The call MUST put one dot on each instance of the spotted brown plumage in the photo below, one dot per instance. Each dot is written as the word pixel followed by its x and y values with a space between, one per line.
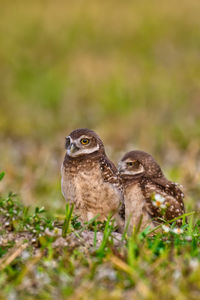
pixel 89 179
pixel 143 181
pixel 111 175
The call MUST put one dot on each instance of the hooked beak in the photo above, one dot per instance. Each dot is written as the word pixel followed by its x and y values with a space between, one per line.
pixel 73 148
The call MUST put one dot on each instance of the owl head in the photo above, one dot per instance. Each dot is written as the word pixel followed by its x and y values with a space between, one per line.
pixel 139 163
pixel 82 142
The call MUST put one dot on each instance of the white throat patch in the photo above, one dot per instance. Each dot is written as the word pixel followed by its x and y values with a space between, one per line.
pixel 126 172
pixel 123 170
pixel 82 151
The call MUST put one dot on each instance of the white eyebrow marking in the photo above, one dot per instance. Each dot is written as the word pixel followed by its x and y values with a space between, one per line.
pixel 85 136
pixel 69 137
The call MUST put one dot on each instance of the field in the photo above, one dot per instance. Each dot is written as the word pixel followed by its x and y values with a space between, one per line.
pixel 130 71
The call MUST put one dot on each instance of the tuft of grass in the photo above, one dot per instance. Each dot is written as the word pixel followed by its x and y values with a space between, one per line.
pixel 68 217
pixel 109 227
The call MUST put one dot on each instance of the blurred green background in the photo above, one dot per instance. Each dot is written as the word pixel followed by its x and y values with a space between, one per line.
pixel 129 70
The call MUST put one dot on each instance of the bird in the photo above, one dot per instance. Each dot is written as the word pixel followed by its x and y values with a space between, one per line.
pixel 149 197
pixel 89 180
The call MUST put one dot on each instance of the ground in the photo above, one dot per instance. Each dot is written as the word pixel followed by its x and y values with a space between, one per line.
pixel 43 257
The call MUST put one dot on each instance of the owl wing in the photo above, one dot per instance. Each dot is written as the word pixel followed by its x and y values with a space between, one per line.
pixel 110 174
pixel 171 188
pixel 170 192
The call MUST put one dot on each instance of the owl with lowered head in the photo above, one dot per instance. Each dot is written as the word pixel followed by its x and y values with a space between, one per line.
pixel 89 179
pixel 147 192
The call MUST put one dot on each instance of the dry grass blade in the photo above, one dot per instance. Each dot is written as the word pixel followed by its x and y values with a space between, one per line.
pixel 116 261
pixel 5 261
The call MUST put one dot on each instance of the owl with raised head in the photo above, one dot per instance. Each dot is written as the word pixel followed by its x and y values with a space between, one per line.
pixel 89 179
pixel 147 192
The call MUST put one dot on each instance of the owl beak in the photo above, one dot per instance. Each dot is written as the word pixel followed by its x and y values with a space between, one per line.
pixel 73 148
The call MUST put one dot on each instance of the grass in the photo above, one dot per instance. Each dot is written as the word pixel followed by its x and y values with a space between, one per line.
pixel 130 71
pixel 41 256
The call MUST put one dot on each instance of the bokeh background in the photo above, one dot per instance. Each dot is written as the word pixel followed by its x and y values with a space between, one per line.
pixel 130 70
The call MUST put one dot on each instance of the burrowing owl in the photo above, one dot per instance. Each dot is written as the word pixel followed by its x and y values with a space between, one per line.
pixel 147 191
pixel 89 179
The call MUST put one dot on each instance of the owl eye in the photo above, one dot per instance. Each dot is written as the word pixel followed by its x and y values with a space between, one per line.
pixel 85 141
pixel 130 164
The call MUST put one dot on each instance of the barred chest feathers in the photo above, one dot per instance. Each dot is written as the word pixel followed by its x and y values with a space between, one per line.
pixel 85 187
pixel 135 207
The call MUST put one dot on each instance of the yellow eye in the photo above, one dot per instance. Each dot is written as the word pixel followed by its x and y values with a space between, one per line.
pixel 85 141
pixel 130 163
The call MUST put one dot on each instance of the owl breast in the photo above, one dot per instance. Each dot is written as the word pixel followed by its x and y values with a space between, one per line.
pixel 88 191
pixel 135 207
